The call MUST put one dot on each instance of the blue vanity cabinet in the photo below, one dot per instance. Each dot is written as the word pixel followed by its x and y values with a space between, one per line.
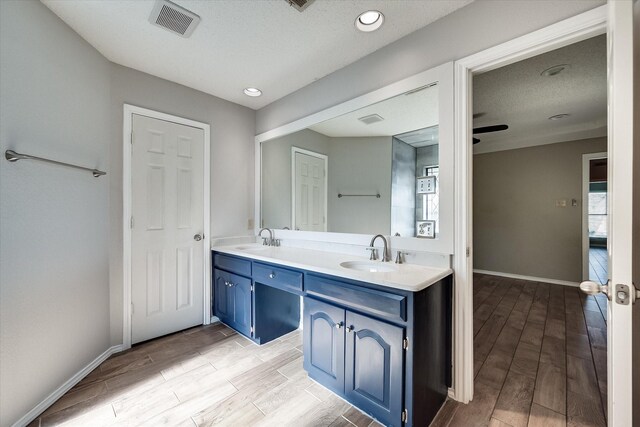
pixel 374 367
pixel 233 300
pixel 323 343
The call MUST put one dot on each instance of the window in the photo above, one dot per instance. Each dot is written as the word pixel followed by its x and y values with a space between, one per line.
pixel 597 210
pixel 431 202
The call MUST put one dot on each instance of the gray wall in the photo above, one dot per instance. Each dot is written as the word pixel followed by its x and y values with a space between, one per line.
pixel 516 226
pixel 232 160
pixel 54 273
pixel 276 177
pixel 359 166
pixel 475 27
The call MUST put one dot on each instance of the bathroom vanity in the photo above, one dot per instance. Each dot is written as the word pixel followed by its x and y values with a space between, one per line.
pixel 376 334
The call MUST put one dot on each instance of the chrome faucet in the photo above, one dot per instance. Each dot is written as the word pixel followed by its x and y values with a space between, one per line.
pixel 266 241
pixel 385 252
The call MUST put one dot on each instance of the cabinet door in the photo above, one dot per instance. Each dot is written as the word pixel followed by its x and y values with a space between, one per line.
pixel 373 367
pixel 324 343
pixel 221 296
pixel 241 289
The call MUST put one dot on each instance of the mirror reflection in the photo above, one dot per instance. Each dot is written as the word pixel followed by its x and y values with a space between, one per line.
pixel 374 170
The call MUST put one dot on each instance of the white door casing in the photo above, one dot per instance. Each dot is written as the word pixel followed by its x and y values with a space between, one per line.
pixel 309 190
pixel 166 269
pixel 620 198
pixel 167 213
pixel 560 34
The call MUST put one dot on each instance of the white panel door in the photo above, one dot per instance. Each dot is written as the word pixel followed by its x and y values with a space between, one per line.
pixel 310 196
pixel 620 328
pixel 167 250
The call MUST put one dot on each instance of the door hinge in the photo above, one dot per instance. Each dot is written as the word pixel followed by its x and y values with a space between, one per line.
pixel 251 330
pixel 405 343
pixel 132 309
pixel 131 223
pixel 405 416
pixel 251 288
pixel 468 252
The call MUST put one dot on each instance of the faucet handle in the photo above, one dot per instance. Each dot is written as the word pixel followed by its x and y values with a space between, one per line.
pixel 399 257
pixel 374 253
pixel 264 241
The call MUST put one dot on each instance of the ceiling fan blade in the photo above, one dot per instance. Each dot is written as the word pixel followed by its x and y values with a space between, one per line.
pixel 487 129
pixel 476 140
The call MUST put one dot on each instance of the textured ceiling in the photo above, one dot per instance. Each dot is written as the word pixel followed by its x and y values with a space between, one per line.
pixel 402 113
pixel 519 96
pixel 239 43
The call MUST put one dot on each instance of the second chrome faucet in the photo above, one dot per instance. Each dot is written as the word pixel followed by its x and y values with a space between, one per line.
pixel 385 249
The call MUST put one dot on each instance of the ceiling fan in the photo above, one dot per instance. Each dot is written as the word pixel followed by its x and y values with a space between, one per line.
pixel 487 129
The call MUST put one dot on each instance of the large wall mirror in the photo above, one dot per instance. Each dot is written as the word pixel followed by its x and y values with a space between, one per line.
pixel 382 163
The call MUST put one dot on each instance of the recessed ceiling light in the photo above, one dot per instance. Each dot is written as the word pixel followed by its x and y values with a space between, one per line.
pixel 252 91
pixel 555 70
pixel 369 21
pixel 559 116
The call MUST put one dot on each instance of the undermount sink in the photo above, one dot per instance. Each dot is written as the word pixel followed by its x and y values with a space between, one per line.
pixel 369 266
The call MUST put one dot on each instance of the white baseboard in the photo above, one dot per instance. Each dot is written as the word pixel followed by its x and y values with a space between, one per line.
pixel 60 391
pixel 531 278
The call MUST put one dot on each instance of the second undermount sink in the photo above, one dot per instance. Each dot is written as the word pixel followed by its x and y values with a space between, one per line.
pixel 369 266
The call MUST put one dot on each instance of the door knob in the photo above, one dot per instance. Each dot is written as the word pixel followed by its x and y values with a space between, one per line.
pixel 197 237
pixel 592 288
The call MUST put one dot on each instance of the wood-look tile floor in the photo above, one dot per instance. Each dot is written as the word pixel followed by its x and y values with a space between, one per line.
pixel 598 261
pixel 540 355
pixel 204 376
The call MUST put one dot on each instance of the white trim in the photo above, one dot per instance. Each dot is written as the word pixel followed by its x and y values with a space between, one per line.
pixel 66 386
pixel 128 112
pixel 442 74
pixel 310 153
pixel 561 34
pixel 585 209
pixel 530 278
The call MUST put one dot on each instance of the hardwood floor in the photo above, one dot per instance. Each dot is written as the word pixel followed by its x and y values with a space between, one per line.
pixel 598 261
pixel 204 376
pixel 540 357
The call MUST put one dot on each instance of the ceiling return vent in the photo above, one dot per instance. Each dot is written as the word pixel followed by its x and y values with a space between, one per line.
pixel 174 18
pixel 300 5
pixel 371 118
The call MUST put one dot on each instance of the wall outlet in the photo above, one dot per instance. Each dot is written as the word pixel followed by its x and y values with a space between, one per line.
pixel 250 224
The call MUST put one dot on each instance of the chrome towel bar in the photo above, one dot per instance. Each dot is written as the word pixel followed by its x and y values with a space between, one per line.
pixel 12 156
pixel 377 195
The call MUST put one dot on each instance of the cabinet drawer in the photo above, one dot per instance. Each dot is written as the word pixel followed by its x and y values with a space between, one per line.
pixel 288 280
pixel 230 263
pixel 380 303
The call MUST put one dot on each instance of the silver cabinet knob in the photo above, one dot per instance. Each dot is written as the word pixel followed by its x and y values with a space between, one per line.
pixel 197 237
pixel 592 288
pixel 272 275
pixel 349 328
pixel 339 325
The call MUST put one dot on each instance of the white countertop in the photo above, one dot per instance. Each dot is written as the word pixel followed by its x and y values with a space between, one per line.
pixel 408 277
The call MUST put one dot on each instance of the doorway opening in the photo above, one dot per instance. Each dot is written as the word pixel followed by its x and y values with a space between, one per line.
pixel 595 218
pixel 539 343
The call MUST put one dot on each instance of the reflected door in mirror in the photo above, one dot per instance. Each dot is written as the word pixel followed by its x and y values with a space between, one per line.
pixel 309 192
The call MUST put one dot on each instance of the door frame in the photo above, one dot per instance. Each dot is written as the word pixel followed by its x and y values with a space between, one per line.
pixel 563 33
pixel 324 157
pixel 586 158
pixel 129 111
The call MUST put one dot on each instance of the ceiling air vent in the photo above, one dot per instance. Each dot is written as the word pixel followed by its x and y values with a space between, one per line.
pixel 174 18
pixel 371 118
pixel 300 5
